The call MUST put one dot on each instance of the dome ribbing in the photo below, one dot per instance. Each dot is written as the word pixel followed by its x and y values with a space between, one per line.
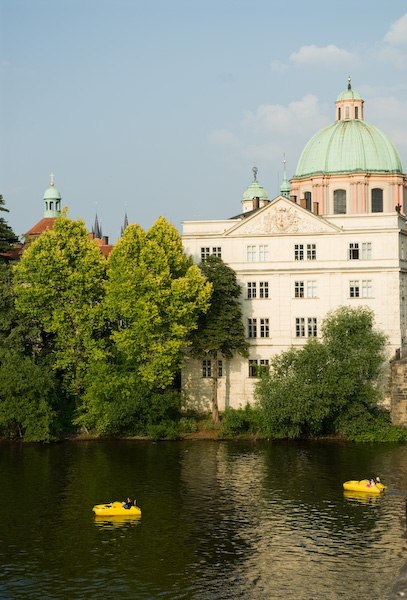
pixel 349 146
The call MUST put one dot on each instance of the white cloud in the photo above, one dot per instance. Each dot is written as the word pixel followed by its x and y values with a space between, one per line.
pixel 304 115
pixel 328 55
pixel 390 115
pixel 278 66
pixel 397 34
pixel 392 50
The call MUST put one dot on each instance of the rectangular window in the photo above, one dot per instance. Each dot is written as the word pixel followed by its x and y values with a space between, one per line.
pixel 312 327
pixel 251 289
pixel 206 368
pixel 253 368
pixel 220 368
pixel 264 289
pixel 299 252
pixel 367 288
pixel 367 250
pixel 205 252
pixel 311 289
pixel 263 253
pixel 299 289
pixel 311 251
pixel 252 328
pixel 353 251
pixel 264 328
pixel 354 291
pixel 300 327
pixel 251 254
pixel 217 252
pixel 264 364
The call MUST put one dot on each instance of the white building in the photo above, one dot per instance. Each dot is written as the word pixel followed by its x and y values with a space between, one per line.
pixel 338 237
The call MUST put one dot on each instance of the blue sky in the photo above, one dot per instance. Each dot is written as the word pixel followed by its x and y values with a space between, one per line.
pixel 163 108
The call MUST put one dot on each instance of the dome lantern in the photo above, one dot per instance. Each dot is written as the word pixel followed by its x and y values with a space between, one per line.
pixel 52 201
pixel 255 196
pixel 349 105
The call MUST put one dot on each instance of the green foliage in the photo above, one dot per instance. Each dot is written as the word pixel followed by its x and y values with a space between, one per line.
pixel 154 297
pixel 58 285
pixel 7 235
pixel 221 328
pixel 240 422
pixel 328 385
pixel 187 425
pixel 28 397
pixel 117 403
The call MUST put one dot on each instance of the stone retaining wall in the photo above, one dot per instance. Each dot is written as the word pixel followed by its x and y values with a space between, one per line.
pixel 398 391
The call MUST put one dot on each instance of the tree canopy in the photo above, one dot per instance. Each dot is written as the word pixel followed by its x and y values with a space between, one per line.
pixel 7 235
pixel 326 385
pixel 154 296
pixel 220 330
pixel 59 284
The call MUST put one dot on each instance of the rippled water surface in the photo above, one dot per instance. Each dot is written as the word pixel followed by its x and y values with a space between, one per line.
pixel 219 520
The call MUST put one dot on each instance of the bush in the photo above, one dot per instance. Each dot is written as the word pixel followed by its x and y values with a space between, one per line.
pixel 240 421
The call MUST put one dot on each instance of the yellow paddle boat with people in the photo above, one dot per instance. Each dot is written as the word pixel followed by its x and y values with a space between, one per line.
pixel 117 509
pixel 368 486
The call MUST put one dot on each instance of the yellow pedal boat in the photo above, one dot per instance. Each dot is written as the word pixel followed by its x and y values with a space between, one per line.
pixel 115 509
pixel 364 486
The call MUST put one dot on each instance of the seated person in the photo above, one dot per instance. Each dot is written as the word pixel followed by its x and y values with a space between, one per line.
pixel 128 504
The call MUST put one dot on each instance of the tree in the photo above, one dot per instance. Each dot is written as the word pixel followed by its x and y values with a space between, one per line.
pixel 29 399
pixel 220 331
pixel 322 387
pixel 155 298
pixel 7 235
pixel 154 295
pixel 58 284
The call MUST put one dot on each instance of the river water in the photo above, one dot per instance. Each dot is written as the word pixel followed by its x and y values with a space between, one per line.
pixel 220 520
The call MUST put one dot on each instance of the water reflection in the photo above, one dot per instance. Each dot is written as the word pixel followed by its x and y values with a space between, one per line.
pixel 115 522
pixel 362 497
pixel 220 520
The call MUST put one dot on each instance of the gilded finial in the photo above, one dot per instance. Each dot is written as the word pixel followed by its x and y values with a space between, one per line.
pixel 349 85
pixel 255 173
pixel 284 160
pixel 52 179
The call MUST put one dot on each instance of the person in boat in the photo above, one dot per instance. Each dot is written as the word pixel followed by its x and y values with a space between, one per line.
pixel 129 503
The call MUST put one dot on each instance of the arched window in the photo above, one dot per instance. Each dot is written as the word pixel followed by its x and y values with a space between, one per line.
pixel 51 206
pixel 347 112
pixel 377 200
pixel 339 202
pixel 308 200
pixel 356 112
pixel 339 113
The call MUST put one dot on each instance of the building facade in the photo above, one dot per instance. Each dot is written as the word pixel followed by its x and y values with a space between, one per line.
pixel 336 236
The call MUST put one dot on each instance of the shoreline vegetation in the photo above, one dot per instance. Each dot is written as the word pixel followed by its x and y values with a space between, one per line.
pixel 97 346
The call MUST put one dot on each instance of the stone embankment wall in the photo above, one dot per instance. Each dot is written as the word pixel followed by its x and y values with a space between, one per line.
pixel 398 391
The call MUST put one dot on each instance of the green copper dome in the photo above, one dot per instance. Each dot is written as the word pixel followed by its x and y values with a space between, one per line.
pixel 52 194
pixel 255 190
pixel 348 146
pixel 349 94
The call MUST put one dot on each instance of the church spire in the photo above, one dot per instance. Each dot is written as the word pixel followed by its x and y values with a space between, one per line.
pixel 96 229
pixel 125 225
pixel 285 186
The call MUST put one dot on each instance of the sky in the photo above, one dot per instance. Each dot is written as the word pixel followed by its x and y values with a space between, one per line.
pixel 164 107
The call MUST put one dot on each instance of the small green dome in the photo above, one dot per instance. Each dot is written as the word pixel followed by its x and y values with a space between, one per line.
pixel 255 190
pixel 52 194
pixel 349 94
pixel 348 147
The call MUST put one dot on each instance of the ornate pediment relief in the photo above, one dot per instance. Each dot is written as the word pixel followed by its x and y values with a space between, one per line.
pixel 282 217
